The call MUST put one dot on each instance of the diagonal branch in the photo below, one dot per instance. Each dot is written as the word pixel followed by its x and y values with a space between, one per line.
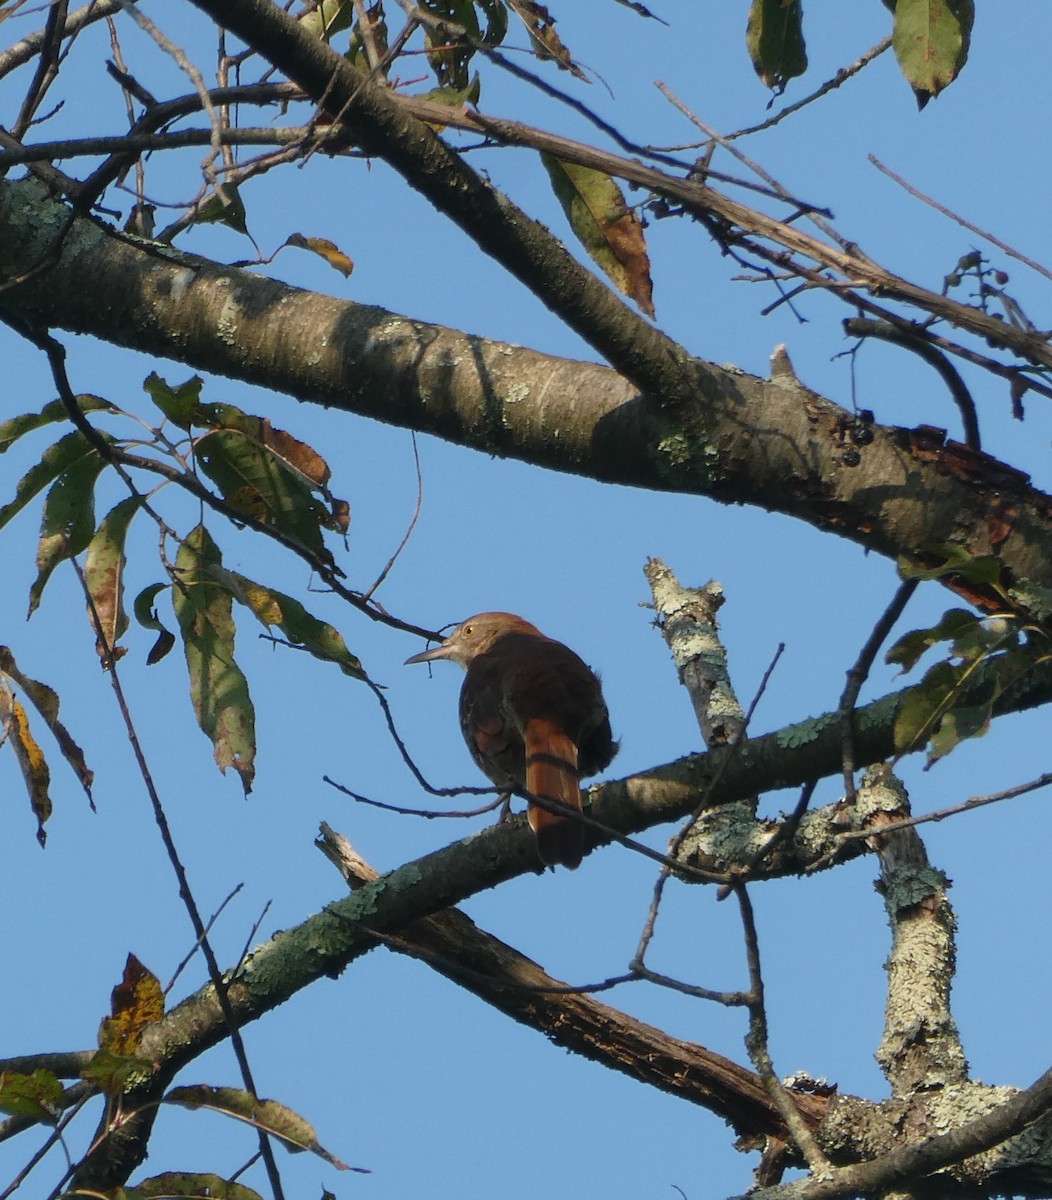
pixel 455 947
pixel 770 443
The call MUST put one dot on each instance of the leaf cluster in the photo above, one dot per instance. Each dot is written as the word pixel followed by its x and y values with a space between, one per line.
pixel 260 474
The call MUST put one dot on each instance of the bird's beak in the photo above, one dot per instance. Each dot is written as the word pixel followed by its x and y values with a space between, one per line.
pixel 439 651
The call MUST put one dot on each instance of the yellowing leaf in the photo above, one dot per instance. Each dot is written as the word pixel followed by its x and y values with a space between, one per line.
pixel 274 608
pixel 104 575
pixel 546 42
pixel 218 688
pixel 275 1118
pixel 610 232
pixel 332 254
pixel 45 700
pixel 14 727
pixel 137 1001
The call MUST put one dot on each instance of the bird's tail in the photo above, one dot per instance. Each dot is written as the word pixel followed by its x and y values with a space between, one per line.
pixel 551 774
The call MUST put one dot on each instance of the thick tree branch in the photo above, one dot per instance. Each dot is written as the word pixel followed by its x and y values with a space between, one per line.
pixel 455 947
pixel 921 1049
pixel 773 444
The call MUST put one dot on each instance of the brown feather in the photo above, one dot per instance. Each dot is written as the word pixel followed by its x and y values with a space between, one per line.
pixel 551 774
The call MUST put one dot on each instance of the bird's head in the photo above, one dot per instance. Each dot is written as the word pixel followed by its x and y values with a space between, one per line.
pixel 475 636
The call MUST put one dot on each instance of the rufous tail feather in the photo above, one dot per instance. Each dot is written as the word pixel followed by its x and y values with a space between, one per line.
pixel 551 773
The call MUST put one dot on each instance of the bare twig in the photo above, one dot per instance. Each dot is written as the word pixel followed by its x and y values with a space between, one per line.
pixel 858 675
pixel 842 76
pixel 947 212
pixel 910 336
pixel 941 814
pixel 759 1051
pixel 412 524
pixel 46 69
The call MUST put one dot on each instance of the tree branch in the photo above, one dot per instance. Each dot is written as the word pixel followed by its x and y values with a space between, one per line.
pixel 455 947
pixel 773 444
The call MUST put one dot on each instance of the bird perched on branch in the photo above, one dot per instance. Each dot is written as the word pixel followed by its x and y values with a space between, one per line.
pixel 533 716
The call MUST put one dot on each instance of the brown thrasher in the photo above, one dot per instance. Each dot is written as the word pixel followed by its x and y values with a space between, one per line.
pixel 533 716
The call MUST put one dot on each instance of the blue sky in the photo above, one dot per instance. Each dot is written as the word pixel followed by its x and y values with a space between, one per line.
pixel 399 1070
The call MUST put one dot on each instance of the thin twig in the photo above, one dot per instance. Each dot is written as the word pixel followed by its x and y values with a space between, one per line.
pixel 858 675
pixel 844 74
pixel 194 75
pixel 947 212
pixel 759 1052
pixel 46 69
pixel 429 814
pixel 776 189
pixel 412 523
pixel 966 806
pixel 911 337
pixel 785 831
pixel 197 944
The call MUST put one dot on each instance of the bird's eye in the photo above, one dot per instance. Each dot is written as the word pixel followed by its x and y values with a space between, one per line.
pixel 468 630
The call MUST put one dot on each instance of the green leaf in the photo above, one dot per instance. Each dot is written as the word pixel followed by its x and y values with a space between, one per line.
pixel 496 21
pixel 38 1096
pixel 447 54
pixel 195 1185
pixel 57 458
pixel 956 726
pixel 327 17
pixel 911 646
pixel 46 701
pixel 301 628
pixel 263 485
pixel 983 569
pixel 181 404
pixel 610 232
pixel 931 40
pixel 115 1073
pixel 218 688
pixel 275 1118
pixel 147 617
pixel 775 41
pixel 11 431
pixel 223 207
pixel 924 706
pixel 69 516
pixel 104 574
